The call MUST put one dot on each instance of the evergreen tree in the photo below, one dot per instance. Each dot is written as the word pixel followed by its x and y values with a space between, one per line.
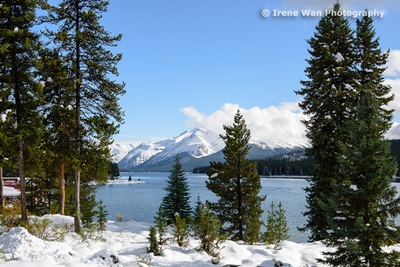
pixel 102 216
pixel 329 99
pixel 269 235
pixel 161 224
pixel 83 43
pixel 20 92
pixel 177 199
pixel 277 230
pixel 365 200
pixel 59 119
pixel 154 246
pixel 180 231
pixel 237 184
pixel 206 228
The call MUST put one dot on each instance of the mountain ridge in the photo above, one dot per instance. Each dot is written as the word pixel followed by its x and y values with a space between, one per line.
pixel 194 148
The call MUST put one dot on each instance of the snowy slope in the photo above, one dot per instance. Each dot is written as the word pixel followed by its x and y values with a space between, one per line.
pixel 196 143
pixel 140 154
pixel 195 148
pixel 125 244
pixel 119 150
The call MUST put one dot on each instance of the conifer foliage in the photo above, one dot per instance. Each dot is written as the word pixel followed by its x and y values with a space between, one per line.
pixel 237 184
pixel 350 197
pixel 83 42
pixel 206 228
pixel 329 99
pixel 277 230
pixel 177 199
pixel 20 92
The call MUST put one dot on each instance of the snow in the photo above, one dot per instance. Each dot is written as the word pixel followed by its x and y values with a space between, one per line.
pixel 119 150
pixel 339 57
pixel 197 143
pixel 10 191
pixel 116 181
pixel 126 242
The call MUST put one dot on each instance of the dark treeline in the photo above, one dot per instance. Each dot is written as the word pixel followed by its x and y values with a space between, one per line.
pixel 291 164
pixel 296 164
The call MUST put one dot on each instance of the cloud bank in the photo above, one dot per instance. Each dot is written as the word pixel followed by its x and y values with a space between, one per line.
pixel 281 125
pixel 272 125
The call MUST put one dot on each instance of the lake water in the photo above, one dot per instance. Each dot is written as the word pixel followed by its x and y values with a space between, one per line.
pixel 140 202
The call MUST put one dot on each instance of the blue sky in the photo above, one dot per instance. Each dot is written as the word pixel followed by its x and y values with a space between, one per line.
pixel 192 63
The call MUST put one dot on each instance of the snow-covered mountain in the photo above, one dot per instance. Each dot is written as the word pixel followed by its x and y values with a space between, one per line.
pixel 195 148
pixel 119 150
pixel 196 144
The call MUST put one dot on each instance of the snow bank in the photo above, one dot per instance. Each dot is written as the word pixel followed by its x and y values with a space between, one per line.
pixel 126 243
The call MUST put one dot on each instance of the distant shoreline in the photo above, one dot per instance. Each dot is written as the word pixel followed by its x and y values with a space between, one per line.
pixel 285 177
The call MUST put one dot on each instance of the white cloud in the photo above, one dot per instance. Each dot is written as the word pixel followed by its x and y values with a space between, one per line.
pixel 394 132
pixel 273 125
pixel 393 70
pixel 393 65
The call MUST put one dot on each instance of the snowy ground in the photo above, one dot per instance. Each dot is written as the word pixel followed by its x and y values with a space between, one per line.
pixel 117 181
pixel 127 241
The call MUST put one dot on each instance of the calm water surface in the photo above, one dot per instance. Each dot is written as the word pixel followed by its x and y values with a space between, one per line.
pixel 140 202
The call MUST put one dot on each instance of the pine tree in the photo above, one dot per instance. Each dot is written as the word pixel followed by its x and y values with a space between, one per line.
pixel 269 235
pixel 102 216
pixel 59 118
pixel 83 43
pixel 177 199
pixel 20 92
pixel 281 224
pixel 329 99
pixel 277 230
pixel 237 184
pixel 161 224
pixel 206 228
pixel 154 246
pixel 180 231
pixel 365 200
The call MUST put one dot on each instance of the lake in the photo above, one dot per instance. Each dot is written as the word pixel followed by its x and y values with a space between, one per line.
pixel 140 201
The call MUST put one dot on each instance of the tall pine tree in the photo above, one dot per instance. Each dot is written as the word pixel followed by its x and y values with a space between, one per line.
pixel 237 184
pixel 365 200
pixel 83 43
pixel 59 118
pixel 177 199
pixel 20 92
pixel 329 99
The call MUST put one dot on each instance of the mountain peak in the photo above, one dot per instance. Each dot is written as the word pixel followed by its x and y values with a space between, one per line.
pixel 196 148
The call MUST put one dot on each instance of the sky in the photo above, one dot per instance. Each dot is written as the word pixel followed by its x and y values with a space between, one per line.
pixel 194 63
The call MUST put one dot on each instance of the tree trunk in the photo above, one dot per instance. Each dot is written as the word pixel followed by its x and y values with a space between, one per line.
pixel 240 211
pixel 62 188
pixel 22 182
pixel 2 198
pixel 77 219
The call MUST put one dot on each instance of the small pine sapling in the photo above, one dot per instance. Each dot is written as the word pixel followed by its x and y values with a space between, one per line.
pixel 281 225
pixel 206 228
pixel 269 235
pixel 180 231
pixel 153 247
pixel 102 216
pixel 161 224
pixel 277 229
